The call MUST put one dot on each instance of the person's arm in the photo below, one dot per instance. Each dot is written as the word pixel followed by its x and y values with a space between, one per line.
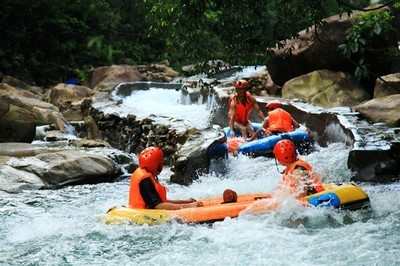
pixel 295 123
pixel 265 127
pixel 153 200
pixel 231 114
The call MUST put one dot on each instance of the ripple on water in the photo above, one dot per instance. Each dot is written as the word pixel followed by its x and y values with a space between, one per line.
pixel 63 227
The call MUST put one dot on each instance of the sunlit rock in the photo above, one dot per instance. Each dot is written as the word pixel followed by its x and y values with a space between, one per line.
pixel 106 77
pixel 325 88
pixel 68 98
pixel 383 109
pixel 387 85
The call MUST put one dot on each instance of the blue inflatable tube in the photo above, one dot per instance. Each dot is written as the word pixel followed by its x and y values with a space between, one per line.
pixel 266 145
pixel 261 146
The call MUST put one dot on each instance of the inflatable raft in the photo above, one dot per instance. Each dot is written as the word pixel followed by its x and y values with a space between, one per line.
pixel 262 146
pixel 346 196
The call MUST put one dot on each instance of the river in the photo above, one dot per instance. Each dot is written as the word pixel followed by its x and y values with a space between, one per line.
pixel 65 227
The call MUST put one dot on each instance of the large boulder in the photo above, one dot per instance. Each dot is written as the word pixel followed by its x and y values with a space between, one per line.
pixel 387 85
pixel 62 93
pixel 192 157
pixel 325 88
pixel 69 99
pixel 106 77
pixel 13 180
pixel 68 167
pixel 318 49
pixel 384 109
pixel 16 149
pixel 20 115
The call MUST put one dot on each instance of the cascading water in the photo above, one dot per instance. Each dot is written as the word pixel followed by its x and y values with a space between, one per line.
pixel 164 103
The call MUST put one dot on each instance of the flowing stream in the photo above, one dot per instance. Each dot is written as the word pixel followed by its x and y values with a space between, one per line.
pixel 65 227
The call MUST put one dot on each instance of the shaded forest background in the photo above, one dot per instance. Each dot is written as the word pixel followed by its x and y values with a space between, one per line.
pixel 47 41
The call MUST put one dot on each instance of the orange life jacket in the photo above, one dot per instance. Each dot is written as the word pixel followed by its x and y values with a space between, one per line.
pixel 289 179
pixel 279 121
pixel 242 110
pixel 135 198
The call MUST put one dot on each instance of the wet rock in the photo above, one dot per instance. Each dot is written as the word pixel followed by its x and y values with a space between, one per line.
pixel 57 135
pixel 313 50
pixel 13 180
pixel 219 113
pixel 380 164
pixel 192 159
pixel 105 78
pixel 89 143
pixel 68 167
pixel 68 98
pixel 384 109
pixel 325 88
pixel 195 91
pixel 126 162
pixel 387 85
pixel 21 114
pixel 24 149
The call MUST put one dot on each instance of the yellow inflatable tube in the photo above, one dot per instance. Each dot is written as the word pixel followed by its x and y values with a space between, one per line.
pixel 346 196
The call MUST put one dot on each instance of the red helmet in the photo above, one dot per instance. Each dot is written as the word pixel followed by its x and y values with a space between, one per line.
pixel 273 105
pixel 285 152
pixel 241 84
pixel 152 159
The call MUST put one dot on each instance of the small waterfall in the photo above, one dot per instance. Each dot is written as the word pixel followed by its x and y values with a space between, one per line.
pixel 69 129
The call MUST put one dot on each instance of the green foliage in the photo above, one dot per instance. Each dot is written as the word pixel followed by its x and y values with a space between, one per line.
pixel 368 28
pixel 48 41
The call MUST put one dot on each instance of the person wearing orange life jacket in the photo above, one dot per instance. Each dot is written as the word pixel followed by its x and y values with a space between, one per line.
pixel 145 191
pixel 241 105
pixel 278 120
pixel 298 175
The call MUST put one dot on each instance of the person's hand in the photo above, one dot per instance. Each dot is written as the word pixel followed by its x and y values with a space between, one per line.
pixel 267 132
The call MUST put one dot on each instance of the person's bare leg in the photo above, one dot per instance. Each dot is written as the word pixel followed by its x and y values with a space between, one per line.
pixel 243 129
pixel 250 132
